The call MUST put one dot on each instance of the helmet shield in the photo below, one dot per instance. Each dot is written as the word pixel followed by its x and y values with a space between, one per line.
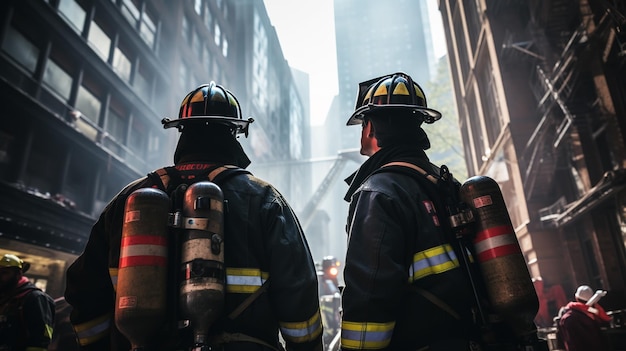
pixel 396 93
pixel 210 103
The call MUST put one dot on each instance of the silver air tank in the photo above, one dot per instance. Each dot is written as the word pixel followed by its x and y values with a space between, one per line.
pixel 202 258
pixel 140 304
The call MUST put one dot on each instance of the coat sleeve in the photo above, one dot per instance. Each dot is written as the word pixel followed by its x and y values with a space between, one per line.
pixel 375 273
pixel 90 291
pixel 38 310
pixel 293 280
pixel 91 278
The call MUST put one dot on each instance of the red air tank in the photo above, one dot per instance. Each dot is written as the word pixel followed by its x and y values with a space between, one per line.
pixel 507 281
pixel 140 304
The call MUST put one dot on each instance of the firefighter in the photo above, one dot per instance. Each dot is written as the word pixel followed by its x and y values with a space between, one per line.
pixel 26 312
pixel 271 283
pixel 404 286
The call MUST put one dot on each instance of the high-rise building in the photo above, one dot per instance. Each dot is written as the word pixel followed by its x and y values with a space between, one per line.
pixel 84 86
pixel 542 105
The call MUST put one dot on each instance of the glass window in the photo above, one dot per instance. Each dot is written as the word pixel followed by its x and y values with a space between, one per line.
pixel 117 122
pixel 88 104
pixel 198 7
pixel 73 13
pixel 122 64
pixel 130 10
pixel 208 19
pixel 225 47
pixel 197 45
pixel 148 29
pixel 24 52
pixel 143 83
pixel 183 75
pixel 217 34
pixel 260 64
pixel 185 29
pixel 139 141
pixel 100 41
pixel 58 79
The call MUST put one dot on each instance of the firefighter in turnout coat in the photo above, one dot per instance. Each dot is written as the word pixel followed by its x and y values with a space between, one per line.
pixel 404 286
pixel 265 251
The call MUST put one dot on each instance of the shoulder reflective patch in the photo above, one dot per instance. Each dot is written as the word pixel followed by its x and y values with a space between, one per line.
pixel 435 260
pixel 244 280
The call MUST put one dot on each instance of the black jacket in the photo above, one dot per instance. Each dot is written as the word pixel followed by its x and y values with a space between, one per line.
pixel 398 258
pixel 263 241
pixel 26 318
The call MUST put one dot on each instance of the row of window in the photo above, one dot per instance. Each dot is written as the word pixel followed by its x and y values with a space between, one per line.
pixel 98 113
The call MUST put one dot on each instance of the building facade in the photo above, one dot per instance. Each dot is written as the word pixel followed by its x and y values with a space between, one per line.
pixel 84 87
pixel 542 110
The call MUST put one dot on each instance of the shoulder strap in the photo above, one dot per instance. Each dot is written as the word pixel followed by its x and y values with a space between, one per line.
pixel 432 178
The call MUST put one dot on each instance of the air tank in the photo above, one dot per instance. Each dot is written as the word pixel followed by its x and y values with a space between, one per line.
pixel 507 281
pixel 202 258
pixel 140 304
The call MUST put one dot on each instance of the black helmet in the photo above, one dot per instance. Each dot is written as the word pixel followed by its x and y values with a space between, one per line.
pixel 210 103
pixel 395 91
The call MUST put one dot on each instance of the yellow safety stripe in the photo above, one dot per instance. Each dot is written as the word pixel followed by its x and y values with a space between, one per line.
pixel 93 330
pixel 366 335
pixel 435 260
pixel 244 280
pixel 113 275
pixel 302 331
pixel 47 331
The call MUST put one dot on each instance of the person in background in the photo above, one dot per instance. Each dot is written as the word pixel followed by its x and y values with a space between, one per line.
pixel 580 322
pixel 404 286
pixel 270 277
pixel 26 312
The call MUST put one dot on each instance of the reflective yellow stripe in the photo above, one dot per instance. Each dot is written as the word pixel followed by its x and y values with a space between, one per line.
pixel 244 280
pixel 302 331
pixel 113 275
pixel 93 330
pixel 47 331
pixel 366 335
pixel 435 260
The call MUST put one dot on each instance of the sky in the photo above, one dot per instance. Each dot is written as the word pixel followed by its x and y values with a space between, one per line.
pixel 306 33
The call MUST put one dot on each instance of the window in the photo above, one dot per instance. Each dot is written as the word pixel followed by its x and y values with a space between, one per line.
pixel 59 80
pixel 208 19
pixel 130 11
pixel 183 75
pixel 23 51
pixel 143 83
pixel 100 41
pixel 186 31
pixel 198 7
pixel 73 13
pixel 139 141
pixel 225 47
pixel 147 29
pixel 260 64
pixel 88 104
pixel 197 45
pixel 217 34
pixel 122 64
pixel 117 122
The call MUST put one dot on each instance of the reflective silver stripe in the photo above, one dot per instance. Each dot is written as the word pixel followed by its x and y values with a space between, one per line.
pixel 435 260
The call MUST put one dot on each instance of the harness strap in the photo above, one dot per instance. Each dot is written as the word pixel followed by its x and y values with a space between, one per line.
pixel 237 311
pixel 427 175
pixel 436 301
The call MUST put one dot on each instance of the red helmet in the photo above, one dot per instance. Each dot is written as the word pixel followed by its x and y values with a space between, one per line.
pixel 210 103
pixel 396 92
